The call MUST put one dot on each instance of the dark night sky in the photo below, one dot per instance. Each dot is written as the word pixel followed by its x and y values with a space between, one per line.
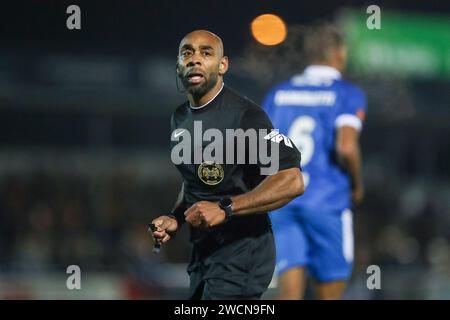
pixel 159 25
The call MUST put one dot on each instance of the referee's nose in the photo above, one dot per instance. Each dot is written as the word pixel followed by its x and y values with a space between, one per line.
pixel 194 60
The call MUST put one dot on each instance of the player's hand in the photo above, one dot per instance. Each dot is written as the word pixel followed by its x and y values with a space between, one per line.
pixel 164 226
pixel 204 214
pixel 357 194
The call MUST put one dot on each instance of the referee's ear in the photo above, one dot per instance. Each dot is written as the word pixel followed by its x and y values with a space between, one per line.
pixel 223 67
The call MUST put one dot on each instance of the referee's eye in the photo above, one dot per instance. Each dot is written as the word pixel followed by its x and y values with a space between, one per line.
pixel 186 53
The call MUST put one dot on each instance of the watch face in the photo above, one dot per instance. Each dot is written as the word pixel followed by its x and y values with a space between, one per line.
pixel 226 202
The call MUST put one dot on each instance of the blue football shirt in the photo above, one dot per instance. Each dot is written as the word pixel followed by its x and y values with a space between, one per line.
pixel 308 109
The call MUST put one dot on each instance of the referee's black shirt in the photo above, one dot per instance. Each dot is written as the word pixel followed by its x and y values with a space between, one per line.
pixel 211 182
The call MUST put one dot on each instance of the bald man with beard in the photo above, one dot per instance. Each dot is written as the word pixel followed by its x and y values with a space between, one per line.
pixel 233 252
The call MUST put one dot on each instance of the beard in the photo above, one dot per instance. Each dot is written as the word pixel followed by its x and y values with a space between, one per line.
pixel 198 91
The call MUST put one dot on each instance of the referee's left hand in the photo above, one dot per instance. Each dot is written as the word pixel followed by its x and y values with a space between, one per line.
pixel 204 214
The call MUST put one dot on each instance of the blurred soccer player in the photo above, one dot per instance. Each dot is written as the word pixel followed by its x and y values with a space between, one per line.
pixel 323 115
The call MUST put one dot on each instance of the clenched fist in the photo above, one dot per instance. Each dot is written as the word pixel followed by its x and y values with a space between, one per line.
pixel 165 226
pixel 204 214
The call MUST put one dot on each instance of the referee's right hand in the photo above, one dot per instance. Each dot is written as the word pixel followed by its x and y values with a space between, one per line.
pixel 164 226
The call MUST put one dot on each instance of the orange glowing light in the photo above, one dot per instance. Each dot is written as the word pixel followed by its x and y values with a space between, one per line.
pixel 269 29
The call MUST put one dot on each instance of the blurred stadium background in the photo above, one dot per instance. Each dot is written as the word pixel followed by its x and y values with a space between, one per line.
pixel 84 131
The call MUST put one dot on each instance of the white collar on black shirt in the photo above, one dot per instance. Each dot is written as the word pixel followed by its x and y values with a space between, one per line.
pixel 203 105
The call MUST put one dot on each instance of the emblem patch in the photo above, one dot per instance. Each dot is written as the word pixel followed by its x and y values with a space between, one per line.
pixel 210 173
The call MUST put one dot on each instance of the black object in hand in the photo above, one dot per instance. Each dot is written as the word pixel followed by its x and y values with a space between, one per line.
pixel 157 246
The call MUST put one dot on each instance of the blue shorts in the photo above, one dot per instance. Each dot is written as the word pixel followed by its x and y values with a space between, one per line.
pixel 321 241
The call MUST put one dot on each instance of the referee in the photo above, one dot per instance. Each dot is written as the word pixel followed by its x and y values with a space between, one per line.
pixel 225 205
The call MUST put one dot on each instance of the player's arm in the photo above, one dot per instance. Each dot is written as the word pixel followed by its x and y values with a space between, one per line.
pixel 167 225
pixel 349 123
pixel 349 158
pixel 272 193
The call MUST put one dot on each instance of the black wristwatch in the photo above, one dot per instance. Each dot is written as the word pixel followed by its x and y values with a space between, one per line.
pixel 226 205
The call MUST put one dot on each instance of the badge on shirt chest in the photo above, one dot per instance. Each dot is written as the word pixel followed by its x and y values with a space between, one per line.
pixel 210 173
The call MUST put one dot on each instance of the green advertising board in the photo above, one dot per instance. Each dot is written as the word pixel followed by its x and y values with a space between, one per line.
pixel 415 46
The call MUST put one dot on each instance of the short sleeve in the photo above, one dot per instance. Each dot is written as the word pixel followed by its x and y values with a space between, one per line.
pixel 288 155
pixel 352 109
